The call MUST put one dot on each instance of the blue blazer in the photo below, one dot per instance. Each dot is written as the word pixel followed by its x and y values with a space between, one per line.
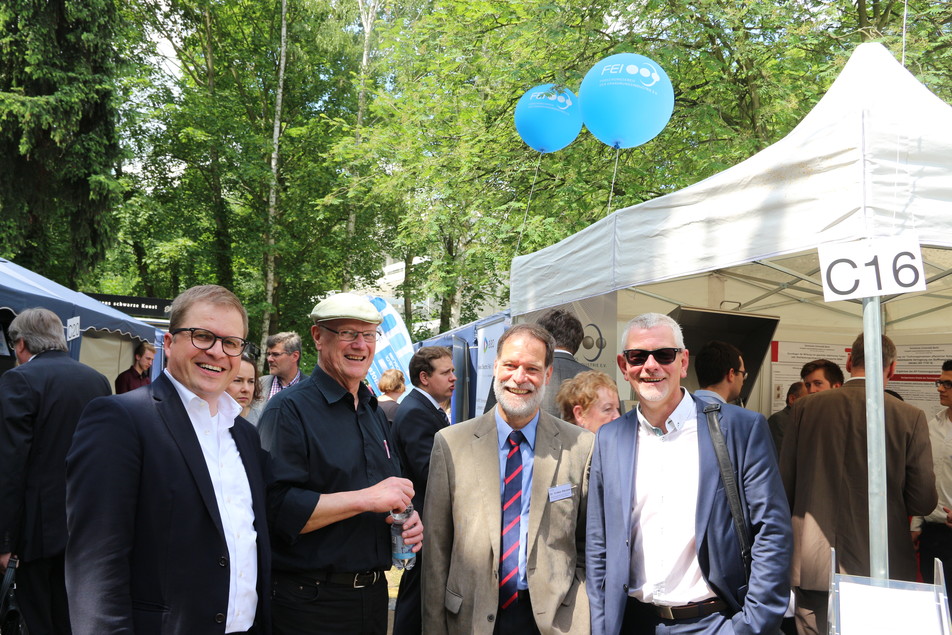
pixel 760 606
pixel 146 551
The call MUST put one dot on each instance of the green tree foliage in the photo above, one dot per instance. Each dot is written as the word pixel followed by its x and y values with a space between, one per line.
pixel 58 141
pixel 400 142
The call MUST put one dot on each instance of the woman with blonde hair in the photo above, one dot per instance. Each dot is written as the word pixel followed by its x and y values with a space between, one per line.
pixel 589 400
pixel 392 384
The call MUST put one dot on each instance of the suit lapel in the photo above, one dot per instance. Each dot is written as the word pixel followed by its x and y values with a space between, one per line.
pixel 485 448
pixel 545 463
pixel 626 454
pixel 173 414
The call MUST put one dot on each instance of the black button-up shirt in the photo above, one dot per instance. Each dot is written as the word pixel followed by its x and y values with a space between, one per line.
pixel 321 444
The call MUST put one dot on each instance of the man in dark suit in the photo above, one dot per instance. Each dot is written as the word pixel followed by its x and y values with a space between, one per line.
pixel 165 492
pixel 40 403
pixel 824 466
pixel 661 552
pixel 419 417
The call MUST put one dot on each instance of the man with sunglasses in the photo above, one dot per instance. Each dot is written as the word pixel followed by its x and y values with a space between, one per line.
pixel 165 492
pixel 933 533
pixel 661 552
pixel 337 480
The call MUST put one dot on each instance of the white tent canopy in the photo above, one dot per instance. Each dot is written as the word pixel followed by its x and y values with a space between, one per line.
pixel 873 158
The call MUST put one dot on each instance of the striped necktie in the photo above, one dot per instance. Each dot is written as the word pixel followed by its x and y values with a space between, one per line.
pixel 511 512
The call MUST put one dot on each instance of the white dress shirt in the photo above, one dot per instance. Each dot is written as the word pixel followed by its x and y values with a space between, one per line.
pixel 664 565
pixel 940 436
pixel 233 495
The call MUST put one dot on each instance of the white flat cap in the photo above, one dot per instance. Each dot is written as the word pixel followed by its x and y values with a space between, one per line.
pixel 346 306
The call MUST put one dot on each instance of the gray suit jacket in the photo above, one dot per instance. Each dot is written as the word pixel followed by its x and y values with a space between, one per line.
pixel 564 367
pixel 463 522
pixel 823 465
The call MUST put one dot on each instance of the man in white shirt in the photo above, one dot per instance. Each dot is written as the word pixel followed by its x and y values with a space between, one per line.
pixel 933 533
pixel 661 552
pixel 165 492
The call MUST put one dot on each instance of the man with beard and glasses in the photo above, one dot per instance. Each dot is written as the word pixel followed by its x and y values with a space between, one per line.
pixel 505 508
pixel 662 554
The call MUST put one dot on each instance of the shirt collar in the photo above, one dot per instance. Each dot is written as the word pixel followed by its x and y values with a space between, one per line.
pixel 429 397
pixel 684 412
pixel 503 429
pixel 334 392
pixel 228 408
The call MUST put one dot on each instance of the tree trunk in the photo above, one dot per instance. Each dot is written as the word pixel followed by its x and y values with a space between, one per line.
pixel 221 243
pixel 270 273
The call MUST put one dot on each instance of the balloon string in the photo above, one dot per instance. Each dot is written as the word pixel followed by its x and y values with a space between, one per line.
pixel 529 202
pixel 614 174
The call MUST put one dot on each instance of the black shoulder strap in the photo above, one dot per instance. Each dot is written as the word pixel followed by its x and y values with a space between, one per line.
pixel 730 483
pixel 6 585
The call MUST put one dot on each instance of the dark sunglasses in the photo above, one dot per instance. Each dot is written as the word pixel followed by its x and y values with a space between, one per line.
pixel 639 356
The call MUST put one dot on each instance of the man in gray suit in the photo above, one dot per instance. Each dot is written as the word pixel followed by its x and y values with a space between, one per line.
pixel 518 566
pixel 567 331
pixel 824 469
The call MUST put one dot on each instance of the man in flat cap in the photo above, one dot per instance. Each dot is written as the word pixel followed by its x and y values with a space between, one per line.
pixel 337 479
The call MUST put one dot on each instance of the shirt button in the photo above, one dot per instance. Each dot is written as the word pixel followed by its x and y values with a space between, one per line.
pixel 491 617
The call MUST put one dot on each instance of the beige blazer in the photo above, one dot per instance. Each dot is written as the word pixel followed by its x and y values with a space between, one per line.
pixel 823 466
pixel 463 520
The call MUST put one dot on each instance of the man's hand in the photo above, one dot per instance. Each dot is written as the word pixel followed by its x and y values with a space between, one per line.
pixel 389 494
pixel 412 531
pixel 4 561
pixel 915 539
pixel 948 516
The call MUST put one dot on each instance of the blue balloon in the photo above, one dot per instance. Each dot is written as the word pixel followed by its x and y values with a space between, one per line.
pixel 627 100
pixel 548 119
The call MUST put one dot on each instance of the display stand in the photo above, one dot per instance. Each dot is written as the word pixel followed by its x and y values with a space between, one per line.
pixel 861 605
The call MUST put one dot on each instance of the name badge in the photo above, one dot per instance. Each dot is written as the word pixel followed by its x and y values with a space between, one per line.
pixel 559 492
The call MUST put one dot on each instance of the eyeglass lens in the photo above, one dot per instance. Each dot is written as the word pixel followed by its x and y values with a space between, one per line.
pixel 204 340
pixel 639 356
pixel 943 383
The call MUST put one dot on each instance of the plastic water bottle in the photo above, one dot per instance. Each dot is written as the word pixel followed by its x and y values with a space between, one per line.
pixel 403 556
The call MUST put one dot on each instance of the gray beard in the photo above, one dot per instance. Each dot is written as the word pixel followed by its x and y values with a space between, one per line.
pixel 515 406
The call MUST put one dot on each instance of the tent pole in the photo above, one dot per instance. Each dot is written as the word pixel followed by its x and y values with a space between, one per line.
pixel 875 439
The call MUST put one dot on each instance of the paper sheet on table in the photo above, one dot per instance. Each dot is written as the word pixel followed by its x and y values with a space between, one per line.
pixel 866 610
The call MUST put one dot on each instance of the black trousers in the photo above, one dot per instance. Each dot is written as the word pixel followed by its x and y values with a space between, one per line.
pixel 303 607
pixel 408 616
pixel 517 619
pixel 41 594
pixel 935 542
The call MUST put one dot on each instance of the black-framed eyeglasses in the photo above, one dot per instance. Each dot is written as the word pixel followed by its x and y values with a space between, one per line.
pixel 943 383
pixel 742 372
pixel 639 356
pixel 346 335
pixel 204 339
pixel 271 354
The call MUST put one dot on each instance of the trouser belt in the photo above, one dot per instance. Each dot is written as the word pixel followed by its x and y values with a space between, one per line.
pixel 688 611
pixel 356 580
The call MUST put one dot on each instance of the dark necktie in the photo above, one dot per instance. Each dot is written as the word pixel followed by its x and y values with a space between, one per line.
pixel 446 420
pixel 511 511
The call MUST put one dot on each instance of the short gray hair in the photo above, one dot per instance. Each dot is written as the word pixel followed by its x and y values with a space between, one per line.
pixel 290 340
pixel 651 320
pixel 40 329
